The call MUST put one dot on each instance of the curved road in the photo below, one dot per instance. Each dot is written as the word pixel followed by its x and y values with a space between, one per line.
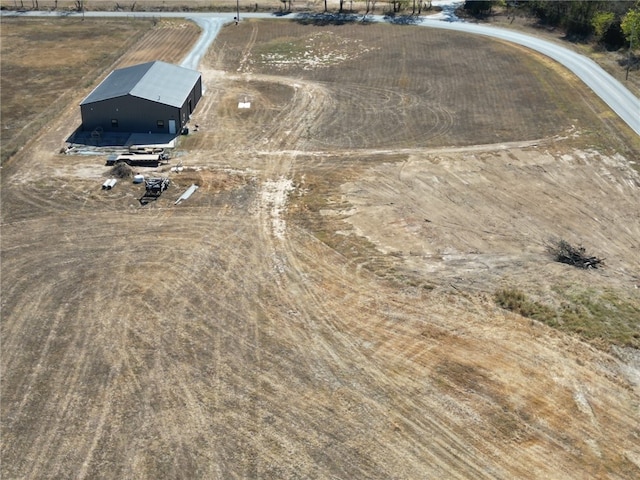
pixel 611 91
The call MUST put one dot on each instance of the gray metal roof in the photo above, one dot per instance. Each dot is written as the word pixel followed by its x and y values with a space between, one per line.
pixel 156 81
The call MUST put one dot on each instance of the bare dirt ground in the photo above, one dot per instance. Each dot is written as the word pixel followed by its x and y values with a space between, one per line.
pixel 322 307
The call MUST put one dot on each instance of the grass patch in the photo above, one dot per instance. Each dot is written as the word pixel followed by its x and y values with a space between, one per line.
pixel 602 318
pixel 517 302
pixel 286 46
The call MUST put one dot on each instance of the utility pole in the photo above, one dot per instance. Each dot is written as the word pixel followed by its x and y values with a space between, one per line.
pixel 237 11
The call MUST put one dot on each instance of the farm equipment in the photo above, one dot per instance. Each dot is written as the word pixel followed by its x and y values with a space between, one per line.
pixel 154 188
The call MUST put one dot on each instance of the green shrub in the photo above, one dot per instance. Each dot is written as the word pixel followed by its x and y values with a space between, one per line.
pixel 602 318
pixel 517 302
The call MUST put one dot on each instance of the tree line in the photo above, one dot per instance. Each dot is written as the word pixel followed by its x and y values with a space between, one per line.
pixel 614 23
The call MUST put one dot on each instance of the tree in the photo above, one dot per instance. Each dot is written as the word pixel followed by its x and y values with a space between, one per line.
pixel 397 5
pixel 284 5
pixel 477 7
pixel 580 17
pixel 631 27
pixel 424 4
pixel 370 6
pixel 601 23
pixel 579 20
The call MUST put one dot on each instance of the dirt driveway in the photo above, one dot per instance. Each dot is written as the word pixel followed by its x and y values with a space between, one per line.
pixel 322 306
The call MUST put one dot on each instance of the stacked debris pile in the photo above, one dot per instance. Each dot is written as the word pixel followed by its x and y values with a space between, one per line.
pixel 121 170
pixel 563 252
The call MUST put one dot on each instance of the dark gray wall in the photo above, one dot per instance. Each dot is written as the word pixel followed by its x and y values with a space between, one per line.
pixel 133 115
pixel 136 114
pixel 194 96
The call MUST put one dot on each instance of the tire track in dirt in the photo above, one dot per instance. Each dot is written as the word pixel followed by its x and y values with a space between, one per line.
pixel 237 340
pixel 372 107
pixel 276 183
pixel 107 402
pixel 328 156
pixel 155 265
pixel 70 365
pixel 339 353
pixel 246 51
pixel 305 305
pixel 310 105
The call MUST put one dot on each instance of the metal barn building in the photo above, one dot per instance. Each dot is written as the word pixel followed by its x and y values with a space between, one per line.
pixel 154 97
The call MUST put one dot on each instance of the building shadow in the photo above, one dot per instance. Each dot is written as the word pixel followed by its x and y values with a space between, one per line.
pixel 119 139
pixel 403 19
pixel 323 19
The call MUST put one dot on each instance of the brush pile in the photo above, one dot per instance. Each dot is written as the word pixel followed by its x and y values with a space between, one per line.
pixel 563 252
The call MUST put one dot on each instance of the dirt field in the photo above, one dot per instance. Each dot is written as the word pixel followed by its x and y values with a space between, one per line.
pixel 323 306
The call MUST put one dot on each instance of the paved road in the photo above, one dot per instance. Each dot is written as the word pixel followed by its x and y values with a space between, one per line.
pixel 610 90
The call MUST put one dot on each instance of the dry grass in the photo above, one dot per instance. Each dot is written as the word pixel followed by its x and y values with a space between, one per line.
pixel 248 334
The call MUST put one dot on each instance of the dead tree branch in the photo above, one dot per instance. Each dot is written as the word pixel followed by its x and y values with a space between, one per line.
pixel 563 252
